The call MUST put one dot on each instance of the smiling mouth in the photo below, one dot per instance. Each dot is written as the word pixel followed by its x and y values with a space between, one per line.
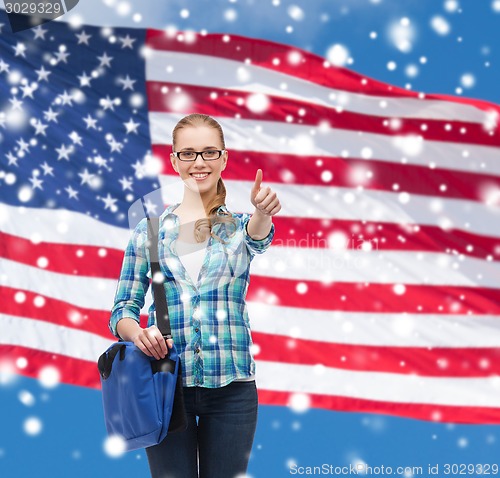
pixel 199 176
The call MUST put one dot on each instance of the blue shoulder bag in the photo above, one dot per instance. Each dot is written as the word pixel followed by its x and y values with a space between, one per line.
pixel 143 397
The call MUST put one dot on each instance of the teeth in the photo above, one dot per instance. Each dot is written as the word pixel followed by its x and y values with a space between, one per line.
pixel 200 175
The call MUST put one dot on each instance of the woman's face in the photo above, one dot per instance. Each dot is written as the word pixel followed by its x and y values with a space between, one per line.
pixel 199 138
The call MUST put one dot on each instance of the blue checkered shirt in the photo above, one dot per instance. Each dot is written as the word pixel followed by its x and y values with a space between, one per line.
pixel 209 319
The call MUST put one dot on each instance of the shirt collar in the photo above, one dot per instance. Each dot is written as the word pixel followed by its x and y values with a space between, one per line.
pixel 220 211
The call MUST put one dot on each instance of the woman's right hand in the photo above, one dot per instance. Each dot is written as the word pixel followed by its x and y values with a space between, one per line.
pixel 151 342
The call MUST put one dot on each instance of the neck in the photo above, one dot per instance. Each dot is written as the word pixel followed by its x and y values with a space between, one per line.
pixel 196 201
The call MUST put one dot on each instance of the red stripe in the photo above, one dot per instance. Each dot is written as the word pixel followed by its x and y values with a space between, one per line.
pixel 71 259
pixel 162 97
pixel 58 312
pixel 375 298
pixel 337 296
pixel 464 361
pixel 420 411
pixel 312 68
pixel 72 370
pixel 376 175
pixel 422 361
pixel 419 360
pixel 84 373
pixel 290 232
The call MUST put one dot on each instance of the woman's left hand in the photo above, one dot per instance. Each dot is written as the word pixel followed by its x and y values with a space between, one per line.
pixel 264 199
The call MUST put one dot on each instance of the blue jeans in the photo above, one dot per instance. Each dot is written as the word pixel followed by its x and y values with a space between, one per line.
pixel 218 443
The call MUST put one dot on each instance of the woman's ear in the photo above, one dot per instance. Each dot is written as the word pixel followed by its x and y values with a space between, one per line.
pixel 173 160
pixel 224 161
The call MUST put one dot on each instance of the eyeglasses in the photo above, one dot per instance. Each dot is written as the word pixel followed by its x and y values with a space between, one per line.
pixel 208 155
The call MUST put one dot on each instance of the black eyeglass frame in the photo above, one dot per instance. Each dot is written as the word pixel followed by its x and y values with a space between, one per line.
pixel 177 153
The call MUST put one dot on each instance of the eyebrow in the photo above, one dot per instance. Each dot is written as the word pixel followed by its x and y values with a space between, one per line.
pixel 206 147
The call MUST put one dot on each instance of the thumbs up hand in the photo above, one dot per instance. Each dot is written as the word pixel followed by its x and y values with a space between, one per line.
pixel 264 199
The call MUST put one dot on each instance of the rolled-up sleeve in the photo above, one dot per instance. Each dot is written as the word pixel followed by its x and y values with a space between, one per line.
pixel 133 282
pixel 253 245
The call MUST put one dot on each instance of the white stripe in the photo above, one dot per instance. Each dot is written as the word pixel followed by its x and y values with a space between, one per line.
pixel 387 387
pixel 318 379
pixel 290 262
pixel 331 202
pixel 380 267
pixel 376 329
pixel 210 71
pixel 294 139
pixel 61 226
pixel 51 338
pixel 89 292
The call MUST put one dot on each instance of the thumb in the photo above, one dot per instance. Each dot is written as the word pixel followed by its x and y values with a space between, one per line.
pixel 258 181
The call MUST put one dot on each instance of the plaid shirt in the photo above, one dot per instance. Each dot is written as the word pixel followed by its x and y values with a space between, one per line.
pixel 209 319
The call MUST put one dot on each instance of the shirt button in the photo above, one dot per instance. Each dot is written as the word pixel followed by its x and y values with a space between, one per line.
pixel 197 350
pixel 197 329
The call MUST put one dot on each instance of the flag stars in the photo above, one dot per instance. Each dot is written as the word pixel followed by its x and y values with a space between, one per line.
pixel 127 83
pixel 12 159
pixel 39 32
pixel 65 98
pixel 109 202
pixel 105 60
pixel 140 169
pixel 131 126
pixel 90 122
pixel 29 89
pixel 19 50
pixel 47 170
pixel 73 194
pixel 4 66
pixel 39 126
pixel 43 74
pixel 127 41
pixel 101 162
pixel 126 183
pixel 86 177
pixel 63 152
pixel 50 115
pixel 23 147
pixel 84 79
pixel 114 145
pixel 61 55
pixel 83 38
pixel 107 103
pixel 16 104
pixel 35 182
pixel 76 138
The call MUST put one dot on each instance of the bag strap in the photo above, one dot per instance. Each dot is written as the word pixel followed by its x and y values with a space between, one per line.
pixel 160 299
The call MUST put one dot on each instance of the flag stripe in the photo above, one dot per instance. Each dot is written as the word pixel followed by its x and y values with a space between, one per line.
pixel 325 171
pixel 295 139
pixel 85 373
pixel 162 48
pixel 179 97
pixel 439 362
pixel 390 387
pixel 357 328
pixel 296 232
pixel 418 411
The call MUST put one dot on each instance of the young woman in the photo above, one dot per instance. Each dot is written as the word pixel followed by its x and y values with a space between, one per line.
pixel 205 254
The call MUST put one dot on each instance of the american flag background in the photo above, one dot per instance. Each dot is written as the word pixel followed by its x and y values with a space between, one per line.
pixel 380 293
